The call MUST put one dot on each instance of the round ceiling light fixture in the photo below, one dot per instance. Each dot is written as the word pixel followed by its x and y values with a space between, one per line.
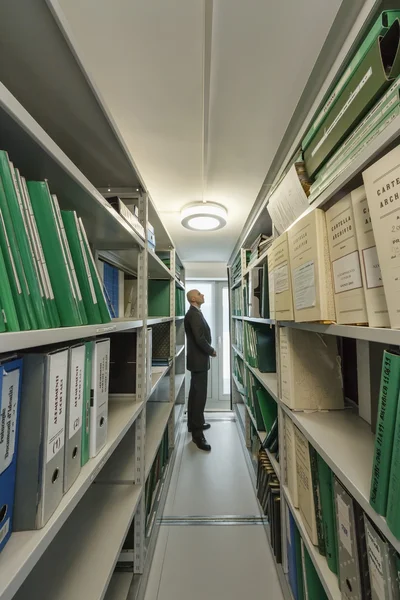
pixel 204 216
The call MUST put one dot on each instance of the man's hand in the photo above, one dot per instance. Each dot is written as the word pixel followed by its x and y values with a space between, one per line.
pixel 214 354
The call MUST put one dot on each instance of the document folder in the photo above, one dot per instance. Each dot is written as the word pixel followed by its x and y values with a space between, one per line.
pixel 73 422
pixel 99 396
pixel 40 466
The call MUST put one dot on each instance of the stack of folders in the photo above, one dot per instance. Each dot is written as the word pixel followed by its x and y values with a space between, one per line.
pixel 237 310
pixel 269 497
pixel 364 561
pixel 253 301
pixel 238 371
pixel 55 412
pixel 179 302
pixel 365 82
pixel 259 246
pixel 154 481
pixel 49 278
pixel 259 347
pixel 237 269
pixel 130 215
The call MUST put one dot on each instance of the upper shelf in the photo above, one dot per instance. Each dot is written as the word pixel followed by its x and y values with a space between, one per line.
pixel 371 334
pixel 68 107
pixel 38 157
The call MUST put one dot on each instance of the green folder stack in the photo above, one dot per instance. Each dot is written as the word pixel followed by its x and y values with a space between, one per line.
pixel 159 298
pixel 75 241
pixel 8 310
pixel 179 302
pixel 98 286
pixel 54 253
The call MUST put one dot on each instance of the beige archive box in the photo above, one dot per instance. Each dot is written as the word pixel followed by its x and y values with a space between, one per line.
pixel 310 370
pixel 271 286
pixel 377 310
pixel 310 269
pixel 282 281
pixel 345 259
pixel 382 187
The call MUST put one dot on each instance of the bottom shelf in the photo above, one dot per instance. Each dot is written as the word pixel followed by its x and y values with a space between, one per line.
pixel 328 579
pixel 79 563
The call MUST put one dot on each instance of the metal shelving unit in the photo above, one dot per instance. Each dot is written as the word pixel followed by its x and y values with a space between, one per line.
pixel 90 524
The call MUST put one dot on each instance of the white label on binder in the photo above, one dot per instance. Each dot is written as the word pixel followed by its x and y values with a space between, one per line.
pixel 57 391
pixel 344 524
pixel 347 273
pixel 76 374
pixel 373 273
pixel 304 286
pixel 8 417
pixel 281 278
pixel 375 566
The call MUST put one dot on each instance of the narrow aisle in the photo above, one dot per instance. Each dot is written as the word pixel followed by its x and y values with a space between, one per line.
pixel 203 550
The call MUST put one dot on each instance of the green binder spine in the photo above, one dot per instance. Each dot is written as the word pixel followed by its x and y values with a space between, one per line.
pixel 376 71
pixel 268 406
pixel 159 300
pixel 393 512
pixel 315 590
pixel 265 350
pixel 257 410
pixel 299 565
pixel 16 274
pixel 381 25
pixel 53 251
pixel 98 286
pixel 18 219
pixel 317 499
pixel 10 316
pixel 81 262
pixel 385 431
pixel 70 263
pixel 51 303
pixel 265 294
pixel 85 454
pixel 325 477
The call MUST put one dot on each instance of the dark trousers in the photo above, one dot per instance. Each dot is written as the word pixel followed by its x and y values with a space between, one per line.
pixel 197 402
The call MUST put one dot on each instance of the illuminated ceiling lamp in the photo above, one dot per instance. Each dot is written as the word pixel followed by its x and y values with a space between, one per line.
pixel 204 216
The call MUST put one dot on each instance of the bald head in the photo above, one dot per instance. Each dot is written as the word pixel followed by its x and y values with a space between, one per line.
pixel 195 298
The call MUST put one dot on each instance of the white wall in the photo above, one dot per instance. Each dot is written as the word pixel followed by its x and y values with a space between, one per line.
pixel 205 270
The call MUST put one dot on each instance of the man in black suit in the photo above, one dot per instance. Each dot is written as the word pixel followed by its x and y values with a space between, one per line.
pixel 199 350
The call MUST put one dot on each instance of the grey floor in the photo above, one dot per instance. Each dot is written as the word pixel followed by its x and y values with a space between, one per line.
pixel 217 561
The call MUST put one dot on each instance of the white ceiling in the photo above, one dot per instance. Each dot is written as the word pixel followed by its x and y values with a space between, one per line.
pixel 191 82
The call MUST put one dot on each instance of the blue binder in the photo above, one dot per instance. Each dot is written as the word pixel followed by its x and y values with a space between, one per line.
pixel 10 395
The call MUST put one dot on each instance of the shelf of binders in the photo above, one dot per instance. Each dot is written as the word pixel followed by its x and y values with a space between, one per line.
pixel 81 560
pixel 259 320
pixel 346 443
pixel 262 435
pixel 268 380
pixel 157 269
pixel 236 285
pixel 371 334
pixel 346 179
pixel 179 283
pixel 13 341
pixel 34 152
pixel 179 380
pixel 328 579
pixel 157 373
pixel 157 417
pixel 24 549
pixel 256 263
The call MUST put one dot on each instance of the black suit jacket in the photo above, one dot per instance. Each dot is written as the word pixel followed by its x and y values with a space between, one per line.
pixel 198 335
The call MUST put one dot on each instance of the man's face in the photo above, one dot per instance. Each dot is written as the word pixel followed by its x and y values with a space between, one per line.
pixel 199 298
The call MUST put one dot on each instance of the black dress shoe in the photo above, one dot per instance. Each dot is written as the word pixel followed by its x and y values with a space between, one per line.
pixel 205 426
pixel 202 443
